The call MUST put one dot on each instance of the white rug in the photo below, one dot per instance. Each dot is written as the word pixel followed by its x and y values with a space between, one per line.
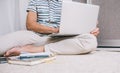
pixel 96 62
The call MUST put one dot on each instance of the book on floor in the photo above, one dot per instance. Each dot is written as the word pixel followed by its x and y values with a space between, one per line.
pixel 31 58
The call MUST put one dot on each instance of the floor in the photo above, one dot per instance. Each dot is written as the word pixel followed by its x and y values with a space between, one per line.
pixel 100 61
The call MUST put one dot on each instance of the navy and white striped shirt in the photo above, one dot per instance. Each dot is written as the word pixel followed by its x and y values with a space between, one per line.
pixel 48 11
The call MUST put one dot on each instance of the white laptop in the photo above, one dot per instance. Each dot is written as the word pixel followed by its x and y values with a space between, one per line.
pixel 77 18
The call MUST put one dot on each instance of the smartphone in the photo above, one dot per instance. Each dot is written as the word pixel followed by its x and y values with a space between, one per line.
pixel 3 60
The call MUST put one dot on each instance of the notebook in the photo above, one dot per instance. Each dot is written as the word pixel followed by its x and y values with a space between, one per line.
pixel 31 59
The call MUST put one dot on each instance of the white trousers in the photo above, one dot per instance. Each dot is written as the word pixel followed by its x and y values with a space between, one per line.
pixel 65 45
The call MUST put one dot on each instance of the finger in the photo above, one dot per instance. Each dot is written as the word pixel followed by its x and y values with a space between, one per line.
pixel 96 34
pixel 95 30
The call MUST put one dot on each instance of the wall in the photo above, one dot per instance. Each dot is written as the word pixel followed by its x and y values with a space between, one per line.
pixel 83 1
pixel 109 22
pixel 23 4
pixel 6 17
pixel 9 16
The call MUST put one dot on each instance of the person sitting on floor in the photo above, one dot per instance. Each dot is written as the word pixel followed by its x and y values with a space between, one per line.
pixel 39 25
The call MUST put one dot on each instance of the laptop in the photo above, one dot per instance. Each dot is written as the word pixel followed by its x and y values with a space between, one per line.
pixel 77 18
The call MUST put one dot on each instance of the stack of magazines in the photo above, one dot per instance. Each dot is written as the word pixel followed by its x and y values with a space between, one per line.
pixel 31 58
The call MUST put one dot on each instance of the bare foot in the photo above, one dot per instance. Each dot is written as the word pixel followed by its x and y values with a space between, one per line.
pixel 32 49
pixel 27 48
pixel 13 52
pixel 17 50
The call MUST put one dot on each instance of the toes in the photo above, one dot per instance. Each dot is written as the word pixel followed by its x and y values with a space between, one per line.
pixel 12 52
pixel 7 54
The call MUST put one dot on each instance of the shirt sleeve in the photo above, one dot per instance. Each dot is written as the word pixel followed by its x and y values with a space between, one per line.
pixel 32 6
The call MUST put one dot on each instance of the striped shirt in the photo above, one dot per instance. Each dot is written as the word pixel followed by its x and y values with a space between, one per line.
pixel 48 11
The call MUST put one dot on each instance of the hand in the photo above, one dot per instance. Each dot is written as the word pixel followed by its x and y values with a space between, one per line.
pixel 95 32
pixel 55 30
